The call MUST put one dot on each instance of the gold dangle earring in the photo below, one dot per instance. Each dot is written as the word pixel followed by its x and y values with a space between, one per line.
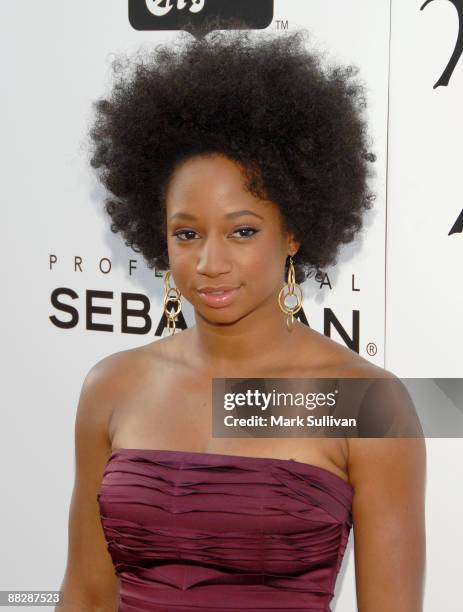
pixel 171 294
pixel 288 290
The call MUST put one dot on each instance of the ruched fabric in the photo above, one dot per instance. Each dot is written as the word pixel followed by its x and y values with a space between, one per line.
pixel 191 531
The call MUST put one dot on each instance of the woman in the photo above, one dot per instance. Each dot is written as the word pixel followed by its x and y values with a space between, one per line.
pixel 237 165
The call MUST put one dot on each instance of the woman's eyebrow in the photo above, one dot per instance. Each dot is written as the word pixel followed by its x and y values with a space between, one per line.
pixel 237 213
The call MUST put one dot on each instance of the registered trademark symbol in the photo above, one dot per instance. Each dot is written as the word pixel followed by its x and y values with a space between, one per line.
pixel 372 349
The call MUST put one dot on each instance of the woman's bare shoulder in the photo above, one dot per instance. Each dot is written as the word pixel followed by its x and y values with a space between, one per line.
pixel 335 359
pixel 124 367
pixel 113 370
pixel 116 380
pixel 112 378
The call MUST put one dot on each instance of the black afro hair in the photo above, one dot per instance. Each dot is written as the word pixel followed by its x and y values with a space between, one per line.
pixel 267 102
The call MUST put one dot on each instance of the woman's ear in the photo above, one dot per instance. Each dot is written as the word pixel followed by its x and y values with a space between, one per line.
pixel 293 245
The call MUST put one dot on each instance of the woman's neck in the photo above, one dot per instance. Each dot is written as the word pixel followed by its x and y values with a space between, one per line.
pixel 258 338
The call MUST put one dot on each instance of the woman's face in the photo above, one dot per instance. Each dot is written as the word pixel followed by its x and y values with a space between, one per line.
pixel 220 236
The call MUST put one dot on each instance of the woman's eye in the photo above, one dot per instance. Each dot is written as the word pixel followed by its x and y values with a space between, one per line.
pixel 246 229
pixel 178 234
pixel 186 235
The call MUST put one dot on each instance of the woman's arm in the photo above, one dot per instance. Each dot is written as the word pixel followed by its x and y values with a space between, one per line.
pixel 90 582
pixel 388 476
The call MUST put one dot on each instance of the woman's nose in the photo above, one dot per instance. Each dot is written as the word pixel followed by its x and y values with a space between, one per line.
pixel 213 258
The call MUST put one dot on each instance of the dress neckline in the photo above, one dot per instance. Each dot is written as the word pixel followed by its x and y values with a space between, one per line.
pixel 240 458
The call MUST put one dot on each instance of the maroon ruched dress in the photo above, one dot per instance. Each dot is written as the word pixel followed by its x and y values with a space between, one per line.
pixel 191 531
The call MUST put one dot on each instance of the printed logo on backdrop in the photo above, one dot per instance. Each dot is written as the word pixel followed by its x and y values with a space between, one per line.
pixel 457 227
pixel 444 79
pixel 457 52
pixel 178 14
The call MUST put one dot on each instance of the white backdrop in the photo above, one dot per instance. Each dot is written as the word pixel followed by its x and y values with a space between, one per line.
pixel 56 58
pixel 424 326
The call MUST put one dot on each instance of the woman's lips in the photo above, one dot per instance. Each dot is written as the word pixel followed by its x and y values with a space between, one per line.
pixel 219 300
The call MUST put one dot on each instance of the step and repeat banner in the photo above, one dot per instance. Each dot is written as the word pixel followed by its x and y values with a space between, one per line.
pixel 76 292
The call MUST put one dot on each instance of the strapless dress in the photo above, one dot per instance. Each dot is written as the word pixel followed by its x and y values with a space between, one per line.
pixel 192 531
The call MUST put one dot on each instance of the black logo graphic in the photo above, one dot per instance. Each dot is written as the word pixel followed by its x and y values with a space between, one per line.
pixel 457 227
pixel 445 76
pixel 178 14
